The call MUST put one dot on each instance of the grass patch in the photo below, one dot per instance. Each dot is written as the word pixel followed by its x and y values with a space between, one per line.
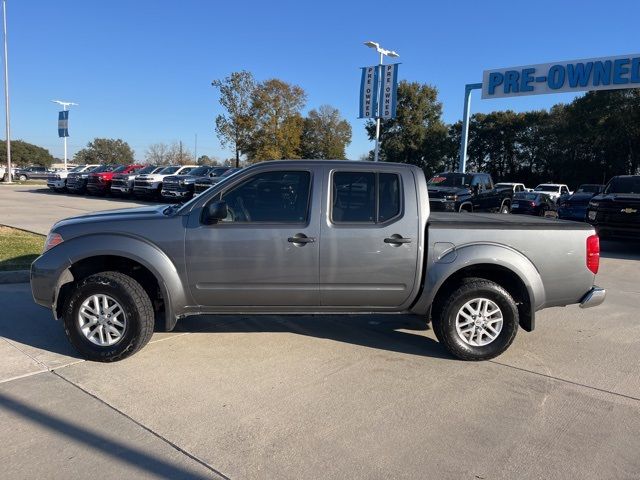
pixel 18 248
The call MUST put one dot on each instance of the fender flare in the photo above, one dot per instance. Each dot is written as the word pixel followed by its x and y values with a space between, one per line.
pixel 457 258
pixel 132 248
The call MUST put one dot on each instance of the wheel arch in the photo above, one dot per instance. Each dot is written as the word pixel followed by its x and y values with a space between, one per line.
pixel 144 262
pixel 498 263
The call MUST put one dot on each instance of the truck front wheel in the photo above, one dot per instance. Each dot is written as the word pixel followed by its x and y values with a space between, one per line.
pixel 478 321
pixel 108 317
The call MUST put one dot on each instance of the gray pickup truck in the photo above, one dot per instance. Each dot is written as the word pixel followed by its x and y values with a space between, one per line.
pixel 312 237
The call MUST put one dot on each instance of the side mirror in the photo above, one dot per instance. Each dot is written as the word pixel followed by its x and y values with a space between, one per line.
pixel 476 189
pixel 213 212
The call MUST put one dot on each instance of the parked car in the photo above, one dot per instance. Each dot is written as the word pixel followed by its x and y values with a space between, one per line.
pixel 150 184
pixel 204 183
pixel 323 236
pixel 182 186
pixel 77 181
pixel 58 181
pixel 615 212
pixel 554 190
pixel 533 203
pixel 99 183
pixel 122 183
pixel 467 192
pixel 514 187
pixel 32 173
pixel 574 206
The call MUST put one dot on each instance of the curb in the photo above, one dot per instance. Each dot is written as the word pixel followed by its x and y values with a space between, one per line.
pixel 14 276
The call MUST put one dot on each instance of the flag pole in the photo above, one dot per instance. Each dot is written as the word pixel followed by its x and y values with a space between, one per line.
pixel 64 109
pixel 6 91
pixel 377 149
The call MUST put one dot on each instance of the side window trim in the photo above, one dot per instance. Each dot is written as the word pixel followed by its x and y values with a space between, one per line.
pixel 375 223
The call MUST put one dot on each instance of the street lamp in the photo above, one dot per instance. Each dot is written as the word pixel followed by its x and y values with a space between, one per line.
pixel 64 108
pixel 383 53
pixel 6 90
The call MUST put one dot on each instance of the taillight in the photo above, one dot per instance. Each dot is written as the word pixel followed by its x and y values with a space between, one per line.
pixel 593 253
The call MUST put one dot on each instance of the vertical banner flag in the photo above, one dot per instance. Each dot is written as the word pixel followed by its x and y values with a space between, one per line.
pixel 389 99
pixel 369 92
pixel 63 123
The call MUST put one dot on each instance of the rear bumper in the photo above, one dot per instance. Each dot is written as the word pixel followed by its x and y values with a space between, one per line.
pixel 593 297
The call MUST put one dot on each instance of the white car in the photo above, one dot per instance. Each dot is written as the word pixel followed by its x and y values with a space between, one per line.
pixel 150 184
pixel 554 190
pixel 58 181
pixel 515 187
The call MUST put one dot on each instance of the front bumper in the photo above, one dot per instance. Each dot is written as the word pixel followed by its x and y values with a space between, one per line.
pixel 56 183
pixel 143 190
pixel 572 213
pixel 442 205
pixel 98 187
pixel 122 190
pixel 176 193
pixel 593 297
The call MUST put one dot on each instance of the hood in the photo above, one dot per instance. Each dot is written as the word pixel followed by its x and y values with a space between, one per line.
pixel 127 214
pixel 582 197
pixel 151 176
pixel 440 192
pixel 633 198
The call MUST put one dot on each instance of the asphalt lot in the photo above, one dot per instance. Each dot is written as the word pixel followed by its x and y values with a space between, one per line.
pixel 333 397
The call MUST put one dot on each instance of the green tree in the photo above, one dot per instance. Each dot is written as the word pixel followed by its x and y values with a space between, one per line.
pixel 105 150
pixel 417 135
pixel 275 107
pixel 325 134
pixel 234 128
pixel 24 154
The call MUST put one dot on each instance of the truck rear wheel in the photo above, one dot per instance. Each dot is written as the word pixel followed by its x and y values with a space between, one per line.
pixel 108 317
pixel 478 321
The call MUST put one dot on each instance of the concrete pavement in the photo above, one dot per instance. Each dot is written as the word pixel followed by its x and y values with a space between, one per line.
pixel 36 208
pixel 333 397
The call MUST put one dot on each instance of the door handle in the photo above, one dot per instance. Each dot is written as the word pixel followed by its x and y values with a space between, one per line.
pixel 396 240
pixel 300 239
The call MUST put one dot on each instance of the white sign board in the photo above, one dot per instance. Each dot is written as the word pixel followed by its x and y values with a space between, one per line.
pixel 606 73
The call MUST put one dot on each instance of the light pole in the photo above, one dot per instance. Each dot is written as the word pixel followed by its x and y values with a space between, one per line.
pixel 64 109
pixel 6 90
pixel 383 52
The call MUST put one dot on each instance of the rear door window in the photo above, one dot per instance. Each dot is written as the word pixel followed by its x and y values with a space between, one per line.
pixel 365 197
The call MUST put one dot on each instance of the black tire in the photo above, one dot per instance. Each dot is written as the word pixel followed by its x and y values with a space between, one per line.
pixel 505 208
pixel 137 308
pixel 23 178
pixel 444 319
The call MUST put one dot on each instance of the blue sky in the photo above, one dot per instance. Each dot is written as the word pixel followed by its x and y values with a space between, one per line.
pixel 141 70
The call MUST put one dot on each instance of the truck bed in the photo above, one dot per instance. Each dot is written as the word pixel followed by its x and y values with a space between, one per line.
pixel 500 221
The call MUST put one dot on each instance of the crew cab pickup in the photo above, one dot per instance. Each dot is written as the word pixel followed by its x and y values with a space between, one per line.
pixel 615 212
pixel 311 236
pixel 467 192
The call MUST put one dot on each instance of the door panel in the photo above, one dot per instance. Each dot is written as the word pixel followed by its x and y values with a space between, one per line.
pixel 363 263
pixel 255 261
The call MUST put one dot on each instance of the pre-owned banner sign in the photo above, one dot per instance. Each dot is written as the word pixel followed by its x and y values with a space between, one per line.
pixel 369 92
pixel 389 91
pixel 606 73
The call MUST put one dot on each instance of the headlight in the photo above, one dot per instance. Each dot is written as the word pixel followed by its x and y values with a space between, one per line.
pixel 594 204
pixel 182 183
pixel 53 239
pixel 592 215
pixel 451 198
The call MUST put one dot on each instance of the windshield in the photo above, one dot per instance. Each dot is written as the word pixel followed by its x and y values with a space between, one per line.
pixel 547 188
pixel 103 168
pixel 169 170
pixel 120 169
pixel 451 180
pixel 532 197
pixel 219 172
pixel 503 185
pixel 590 188
pixel 624 185
pixel 147 169
pixel 199 171
pixel 79 168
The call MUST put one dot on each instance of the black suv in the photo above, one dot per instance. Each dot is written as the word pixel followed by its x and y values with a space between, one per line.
pixel 467 192
pixel 616 211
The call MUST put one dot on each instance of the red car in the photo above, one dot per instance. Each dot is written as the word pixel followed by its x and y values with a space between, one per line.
pixel 100 183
